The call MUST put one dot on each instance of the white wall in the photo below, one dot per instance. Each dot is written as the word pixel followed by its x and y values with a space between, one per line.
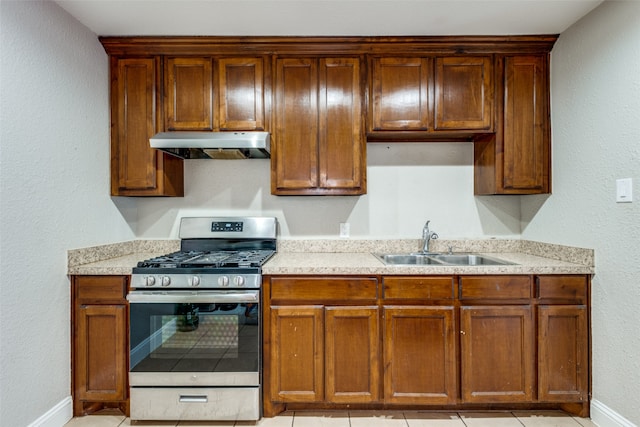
pixel 54 194
pixel 596 140
pixel 408 183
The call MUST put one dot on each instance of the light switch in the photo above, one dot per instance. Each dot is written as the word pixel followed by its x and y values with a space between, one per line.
pixel 624 190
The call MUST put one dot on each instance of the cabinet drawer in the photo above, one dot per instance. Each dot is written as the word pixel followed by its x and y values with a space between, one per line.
pixel 421 288
pixel 100 289
pixel 495 287
pixel 562 287
pixel 323 290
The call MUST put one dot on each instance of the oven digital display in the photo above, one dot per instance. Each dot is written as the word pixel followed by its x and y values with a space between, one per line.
pixel 227 226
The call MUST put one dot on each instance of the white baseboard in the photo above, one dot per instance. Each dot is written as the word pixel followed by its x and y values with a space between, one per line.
pixel 57 416
pixel 604 416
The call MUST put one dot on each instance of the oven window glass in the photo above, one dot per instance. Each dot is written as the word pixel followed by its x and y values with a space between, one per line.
pixel 167 337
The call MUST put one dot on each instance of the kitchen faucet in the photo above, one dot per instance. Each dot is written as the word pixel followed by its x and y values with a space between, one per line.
pixel 427 237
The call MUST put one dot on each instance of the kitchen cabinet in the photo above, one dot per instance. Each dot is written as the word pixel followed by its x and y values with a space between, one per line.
pixel 136 168
pixel 318 145
pixel 457 342
pixel 464 93
pixel 497 345
pixel 419 340
pixel 517 158
pixel 430 94
pixel 189 92
pixel 563 347
pixel 322 342
pixel 196 100
pixel 99 350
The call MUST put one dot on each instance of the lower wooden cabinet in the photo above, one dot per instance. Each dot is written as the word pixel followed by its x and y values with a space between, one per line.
pixel 324 354
pixel 99 343
pixel 419 355
pixel 457 342
pixel 497 354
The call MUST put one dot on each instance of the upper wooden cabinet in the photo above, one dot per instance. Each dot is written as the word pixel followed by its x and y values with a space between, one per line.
pixel 196 100
pixel 189 92
pixel 323 98
pixel 517 158
pixel 318 145
pixel 464 93
pixel 136 168
pixel 427 94
pixel 241 87
pixel 400 94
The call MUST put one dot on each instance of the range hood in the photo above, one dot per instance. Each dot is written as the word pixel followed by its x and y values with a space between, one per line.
pixel 214 145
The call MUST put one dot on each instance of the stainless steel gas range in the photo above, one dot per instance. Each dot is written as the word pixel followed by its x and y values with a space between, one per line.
pixel 195 323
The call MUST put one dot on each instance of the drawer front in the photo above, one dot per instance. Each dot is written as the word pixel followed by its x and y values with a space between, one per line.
pixel 563 288
pixel 323 289
pixel 420 288
pixel 495 287
pixel 97 289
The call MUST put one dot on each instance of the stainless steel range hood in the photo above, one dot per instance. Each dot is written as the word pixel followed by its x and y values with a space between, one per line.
pixel 214 145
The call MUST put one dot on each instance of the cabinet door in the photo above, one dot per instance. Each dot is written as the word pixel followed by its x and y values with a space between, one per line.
pixel 352 354
pixel 419 355
pixel 562 353
pixel 341 132
pixel 400 94
pixel 136 168
pixel 241 93
pixel 526 135
pixel 189 92
pixel 295 146
pixel 464 93
pixel 100 356
pixel 297 353
pixel 497 354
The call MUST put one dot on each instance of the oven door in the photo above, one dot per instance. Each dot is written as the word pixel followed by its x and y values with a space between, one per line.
pixel 194 338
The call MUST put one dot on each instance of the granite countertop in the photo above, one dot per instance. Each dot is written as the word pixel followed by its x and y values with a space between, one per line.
pixel 354 257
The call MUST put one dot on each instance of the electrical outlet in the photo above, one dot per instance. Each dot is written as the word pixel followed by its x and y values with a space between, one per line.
pixel 345 229
pixel 624 190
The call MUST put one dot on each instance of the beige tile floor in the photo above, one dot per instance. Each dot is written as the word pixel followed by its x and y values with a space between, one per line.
pixel 363 419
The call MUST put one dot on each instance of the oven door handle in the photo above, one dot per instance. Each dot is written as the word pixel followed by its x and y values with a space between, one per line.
pixel 203 297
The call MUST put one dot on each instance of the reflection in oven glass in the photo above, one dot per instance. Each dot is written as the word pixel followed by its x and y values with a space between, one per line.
pixel 201 338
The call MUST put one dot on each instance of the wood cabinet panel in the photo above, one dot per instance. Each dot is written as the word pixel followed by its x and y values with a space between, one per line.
pixel 99 350
pixel 563 370
pixel 326 290
pixel 495 287
pixel 352 354
pixel 297 353
pixel 101 367
pixel 400 89
pixel 464 93
pixel 136 168
pixel 319 136
pixel 419 355
pixel 241 93
pixel 526 130
pixel 189 92
pixel 497 354
pixel 569 288
pixel 295 150
pixel 418 288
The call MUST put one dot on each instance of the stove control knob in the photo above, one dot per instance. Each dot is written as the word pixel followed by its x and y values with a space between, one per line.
pixel 166 280
pixel 223 281
pixel 238 281
pixel 195 281
pixel 150 281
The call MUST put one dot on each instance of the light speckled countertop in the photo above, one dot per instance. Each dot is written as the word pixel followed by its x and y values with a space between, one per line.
pixel 351 257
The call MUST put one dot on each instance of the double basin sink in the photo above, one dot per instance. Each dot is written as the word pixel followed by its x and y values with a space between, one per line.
pixel 442 259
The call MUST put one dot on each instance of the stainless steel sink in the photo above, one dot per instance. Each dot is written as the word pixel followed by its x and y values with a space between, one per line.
pixel 440 259
pixel 408 259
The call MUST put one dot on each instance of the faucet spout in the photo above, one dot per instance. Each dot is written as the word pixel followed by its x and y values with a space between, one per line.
pixel 427 237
